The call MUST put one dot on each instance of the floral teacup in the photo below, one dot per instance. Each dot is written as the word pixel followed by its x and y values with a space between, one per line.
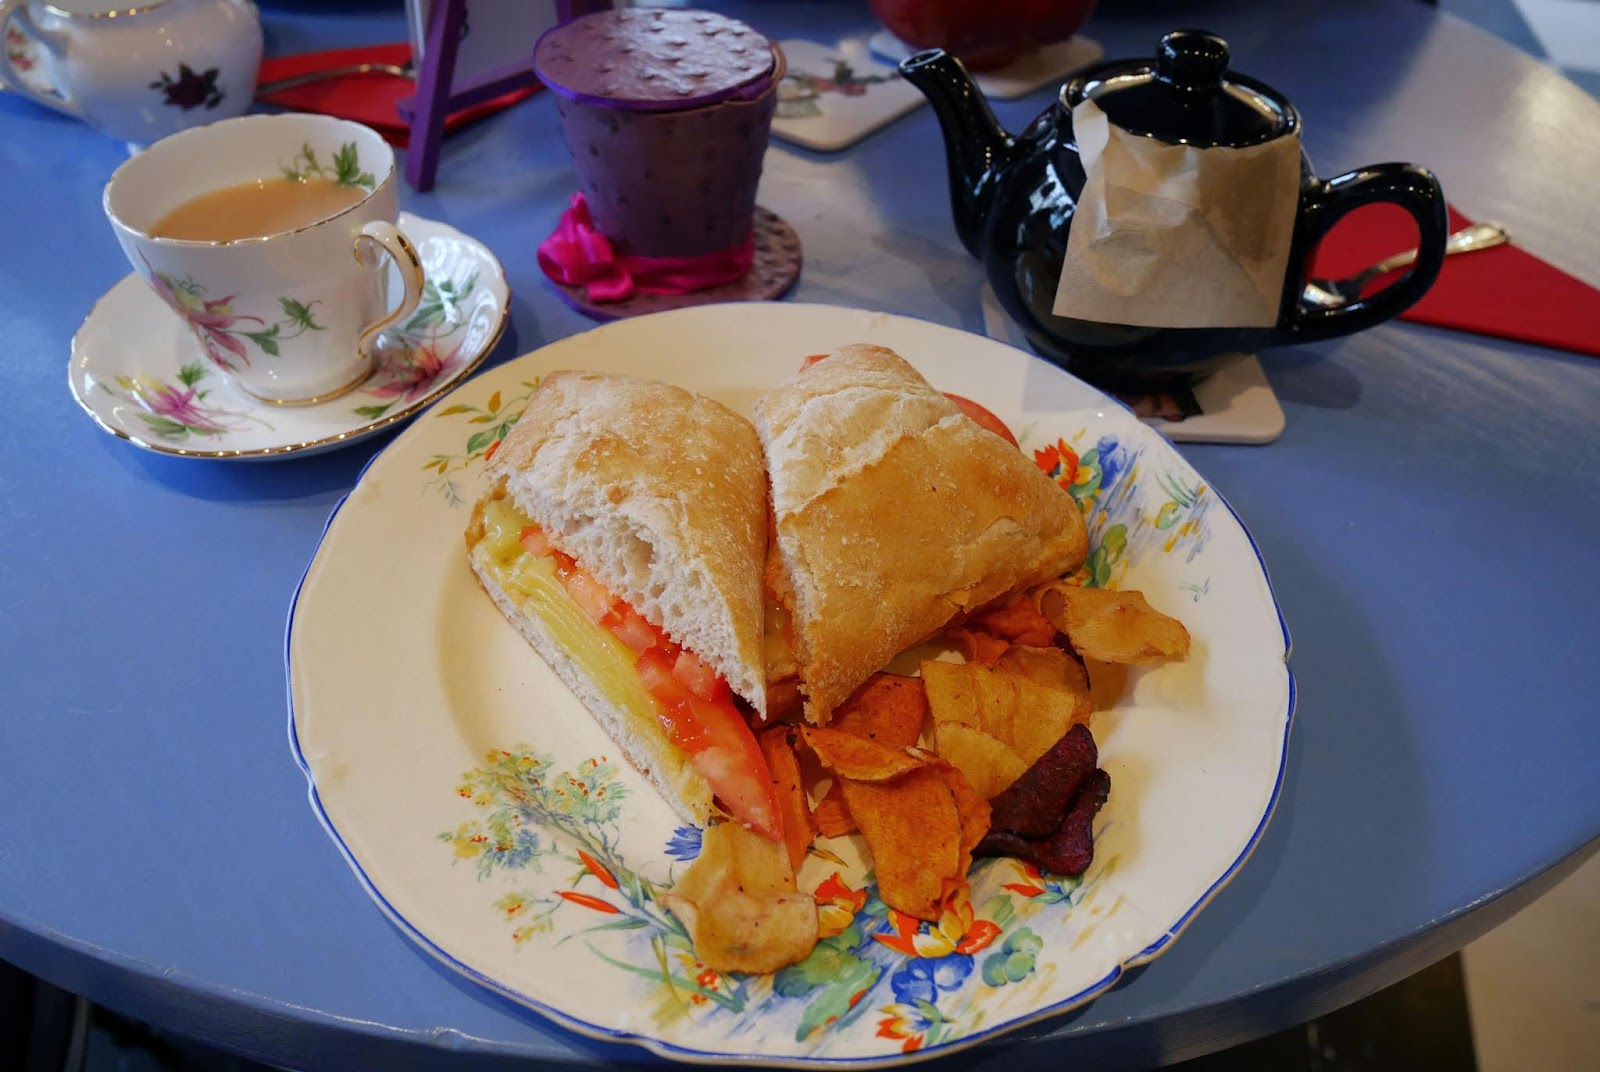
pixel 289 317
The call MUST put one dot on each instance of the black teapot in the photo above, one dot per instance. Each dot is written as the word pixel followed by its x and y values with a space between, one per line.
pixel 1014 197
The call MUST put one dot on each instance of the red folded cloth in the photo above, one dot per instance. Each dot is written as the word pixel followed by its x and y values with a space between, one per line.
pixel 1505 292
pixel 577 254
pixel 372 99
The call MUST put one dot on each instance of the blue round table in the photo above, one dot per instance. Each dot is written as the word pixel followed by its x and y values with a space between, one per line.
pixel 1429 518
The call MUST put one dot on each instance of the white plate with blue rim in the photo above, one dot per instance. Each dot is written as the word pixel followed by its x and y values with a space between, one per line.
pixel 140 373
pixel 496 826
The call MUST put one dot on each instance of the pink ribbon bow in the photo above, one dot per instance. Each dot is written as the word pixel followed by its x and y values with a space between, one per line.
pixel 576 254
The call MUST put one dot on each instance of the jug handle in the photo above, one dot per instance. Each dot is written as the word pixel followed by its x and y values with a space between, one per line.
pixel 17 11
pixel 1324 204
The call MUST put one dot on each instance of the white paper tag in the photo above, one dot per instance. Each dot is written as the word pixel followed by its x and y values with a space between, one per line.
pixel 1174 236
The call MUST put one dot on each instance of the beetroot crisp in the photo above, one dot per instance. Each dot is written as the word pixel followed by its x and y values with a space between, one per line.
pixel 1034 804
pixel 1046 816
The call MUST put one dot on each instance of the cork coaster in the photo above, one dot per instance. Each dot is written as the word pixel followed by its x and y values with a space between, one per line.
pixel 772 274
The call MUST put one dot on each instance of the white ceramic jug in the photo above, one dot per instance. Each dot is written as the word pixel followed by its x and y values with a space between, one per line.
pixel 140 69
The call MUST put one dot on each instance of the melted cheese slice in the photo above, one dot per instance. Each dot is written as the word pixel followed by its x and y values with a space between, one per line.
pixel 531 579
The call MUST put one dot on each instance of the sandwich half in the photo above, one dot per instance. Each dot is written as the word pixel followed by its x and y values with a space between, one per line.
pixel 895 514
pixel 624 534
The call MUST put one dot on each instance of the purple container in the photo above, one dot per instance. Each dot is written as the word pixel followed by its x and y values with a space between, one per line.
pixel 666 114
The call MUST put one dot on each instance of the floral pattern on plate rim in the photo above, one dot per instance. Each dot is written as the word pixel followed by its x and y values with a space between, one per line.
pixel 922 984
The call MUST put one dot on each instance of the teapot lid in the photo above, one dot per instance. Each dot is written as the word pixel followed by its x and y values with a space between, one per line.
pixel 1187 96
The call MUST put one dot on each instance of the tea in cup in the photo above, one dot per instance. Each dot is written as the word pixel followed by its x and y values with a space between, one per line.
pixel 263 234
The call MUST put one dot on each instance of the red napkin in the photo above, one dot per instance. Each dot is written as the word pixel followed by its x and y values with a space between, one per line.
pixel 372 99
pixel 1505 292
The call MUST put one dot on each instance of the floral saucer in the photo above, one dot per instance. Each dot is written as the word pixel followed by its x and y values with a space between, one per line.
pixel 138 371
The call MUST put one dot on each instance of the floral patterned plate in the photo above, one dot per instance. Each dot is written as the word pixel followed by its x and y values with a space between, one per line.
pixel 138 371
pixel 496 825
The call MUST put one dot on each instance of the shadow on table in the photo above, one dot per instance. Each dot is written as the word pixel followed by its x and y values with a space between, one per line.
pixel 1310 377
pixel 309 477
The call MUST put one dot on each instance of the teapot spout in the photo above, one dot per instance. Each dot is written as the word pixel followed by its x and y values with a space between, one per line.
pixel 977 148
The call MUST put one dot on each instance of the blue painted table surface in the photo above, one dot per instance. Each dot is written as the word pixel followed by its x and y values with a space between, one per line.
pixel 1431 518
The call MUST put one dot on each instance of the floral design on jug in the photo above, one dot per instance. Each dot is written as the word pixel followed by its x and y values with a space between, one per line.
pixel 546 841
pixel 19 49
pixel 190 90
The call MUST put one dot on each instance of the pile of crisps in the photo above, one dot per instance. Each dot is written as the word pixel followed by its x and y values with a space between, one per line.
pixel 1012 770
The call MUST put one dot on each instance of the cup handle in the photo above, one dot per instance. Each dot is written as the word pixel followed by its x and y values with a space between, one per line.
pixel 1324 204
pixel 17 11
pixel 391 240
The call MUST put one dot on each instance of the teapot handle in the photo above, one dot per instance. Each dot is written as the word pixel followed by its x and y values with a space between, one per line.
pixel 1324 204
pixel 17 11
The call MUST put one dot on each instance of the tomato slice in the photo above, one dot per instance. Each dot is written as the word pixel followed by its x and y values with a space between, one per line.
pixel 810 360
pixel 536 542
pixel 984 418
pixel 693 701
pixel 655 670
pixel 725 752
pixel 698 677
pixel 632 628
pixel 588 593
pixel 719 744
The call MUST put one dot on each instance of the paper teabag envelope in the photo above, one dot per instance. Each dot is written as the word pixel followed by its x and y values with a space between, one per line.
pixel 1174 236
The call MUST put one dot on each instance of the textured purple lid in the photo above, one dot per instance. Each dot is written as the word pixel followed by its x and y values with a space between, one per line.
pixel 654 59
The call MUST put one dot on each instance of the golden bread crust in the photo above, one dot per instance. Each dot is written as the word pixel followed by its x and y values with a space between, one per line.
pixel 895 514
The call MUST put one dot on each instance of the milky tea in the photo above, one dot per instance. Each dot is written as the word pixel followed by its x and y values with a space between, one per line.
pixel 255 209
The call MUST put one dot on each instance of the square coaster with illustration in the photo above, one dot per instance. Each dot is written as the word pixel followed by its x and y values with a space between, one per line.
pixel 833 96
pixel 1235 404
pixel 1044 66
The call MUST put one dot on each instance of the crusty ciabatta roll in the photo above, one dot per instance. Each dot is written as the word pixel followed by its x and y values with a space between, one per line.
pixel 660 494
pixel 895 514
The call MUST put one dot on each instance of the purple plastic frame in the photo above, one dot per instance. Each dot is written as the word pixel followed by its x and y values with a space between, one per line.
pixel 436 97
